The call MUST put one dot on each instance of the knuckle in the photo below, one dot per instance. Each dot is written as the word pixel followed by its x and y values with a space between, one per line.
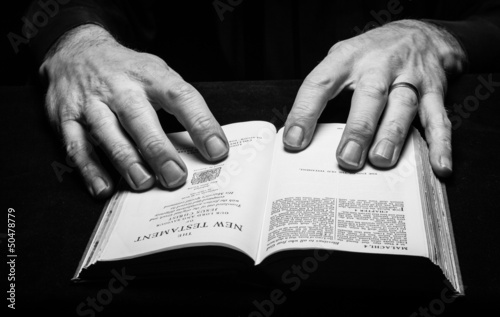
pixel 412 38
pixel 395 130
pixel 181 92
pixel 121 153
pixel 342 48
pixel 78 150
pixel 447 123
pixel 59 109
pixel 417 38
pixel 149 68
pixel 318 82
pixel 100 119
pixel 153 147
pixel 441 140
pixel 154 60
pixel 434 79
pixel 439 123
pixel 405 97
pixel 361 129
pixel 397 59
pixel 87 169
pixel 131 106
pixel 53 115
pixel 447 143
pixel 201 122
pixel 133 114
pixel 131 99
pixel 303 110
pixel 339 46
pixel 373 88
pixel 51 100
pixel 68 113
pixel 435 87
pixel 439 128
pixel 441 82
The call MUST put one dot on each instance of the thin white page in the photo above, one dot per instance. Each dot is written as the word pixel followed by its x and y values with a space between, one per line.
pixel 220 204
pixel 312 203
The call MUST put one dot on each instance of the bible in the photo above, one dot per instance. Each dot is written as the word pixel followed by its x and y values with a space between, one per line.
pixel 264 206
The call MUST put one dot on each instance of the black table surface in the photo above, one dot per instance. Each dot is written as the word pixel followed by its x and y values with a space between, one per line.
pixel 54 219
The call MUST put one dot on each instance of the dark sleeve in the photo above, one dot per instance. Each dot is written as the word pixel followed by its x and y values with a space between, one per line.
pixel 479 34
pixel 127 21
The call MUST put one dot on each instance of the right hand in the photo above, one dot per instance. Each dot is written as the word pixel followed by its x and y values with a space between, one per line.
pixel 102 89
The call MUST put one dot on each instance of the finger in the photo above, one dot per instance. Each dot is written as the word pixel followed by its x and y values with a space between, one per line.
pixel 399 113
pixel 437 132
pixel 105 129
pixel 367 104
pixel 139 119
pixel 188 106
pixel 81 152
pixel 321 85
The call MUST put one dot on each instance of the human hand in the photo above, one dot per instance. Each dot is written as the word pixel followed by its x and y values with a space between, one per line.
pixel 406 51
pixel 102 89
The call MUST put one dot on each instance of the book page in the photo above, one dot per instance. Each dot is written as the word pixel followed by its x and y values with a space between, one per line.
pixel 220 204
pixel 313 203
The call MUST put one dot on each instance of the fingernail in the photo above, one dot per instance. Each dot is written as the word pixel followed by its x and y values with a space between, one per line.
pixel 172 174
pixel 98 186
pixel 294 136
pixel 138 174
pixel 385 149
pixel 445 163
pixel 351 153
pixel 216 148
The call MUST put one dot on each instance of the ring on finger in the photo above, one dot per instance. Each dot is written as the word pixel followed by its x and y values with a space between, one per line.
pixel 406 85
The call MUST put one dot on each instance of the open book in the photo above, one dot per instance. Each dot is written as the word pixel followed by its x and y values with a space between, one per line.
pixel 263 201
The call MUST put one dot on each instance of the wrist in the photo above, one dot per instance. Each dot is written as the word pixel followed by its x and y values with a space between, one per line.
pixel 449 51
pixel 74 42
pixel 453 56
pixel 79 39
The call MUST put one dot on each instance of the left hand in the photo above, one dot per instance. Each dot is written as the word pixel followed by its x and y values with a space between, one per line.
pixel 408 51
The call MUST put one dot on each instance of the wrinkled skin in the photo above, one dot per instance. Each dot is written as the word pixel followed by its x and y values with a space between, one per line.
pixel 379 119
pixel 105 91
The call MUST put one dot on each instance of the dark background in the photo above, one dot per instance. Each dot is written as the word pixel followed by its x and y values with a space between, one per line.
pixel 269 39
pixel 17 68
